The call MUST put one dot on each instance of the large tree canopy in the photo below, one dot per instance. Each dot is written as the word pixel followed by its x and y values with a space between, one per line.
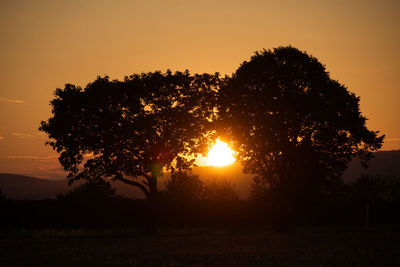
pixel 130 130
pixel 294 127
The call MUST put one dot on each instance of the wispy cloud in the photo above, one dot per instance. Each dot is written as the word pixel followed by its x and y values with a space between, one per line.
pixel 28 135
pixel 23 135
pixel 42 135
pixel 31 157
pixel 393 139
pixel 15 101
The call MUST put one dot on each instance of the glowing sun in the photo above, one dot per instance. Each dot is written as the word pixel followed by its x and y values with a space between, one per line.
pixel 220 154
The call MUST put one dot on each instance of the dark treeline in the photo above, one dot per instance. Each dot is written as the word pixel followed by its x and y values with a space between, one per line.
pixel 370 201
pixel 293 127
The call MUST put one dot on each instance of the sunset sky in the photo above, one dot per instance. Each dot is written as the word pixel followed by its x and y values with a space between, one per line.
pixel 45 44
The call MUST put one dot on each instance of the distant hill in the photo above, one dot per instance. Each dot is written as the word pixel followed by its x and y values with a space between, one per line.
pixel 25 187
pixel 384 163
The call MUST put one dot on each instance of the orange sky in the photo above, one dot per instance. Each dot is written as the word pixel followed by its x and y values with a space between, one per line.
pixel 45 44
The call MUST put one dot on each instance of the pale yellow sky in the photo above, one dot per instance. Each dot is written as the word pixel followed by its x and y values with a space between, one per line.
pixel 45 44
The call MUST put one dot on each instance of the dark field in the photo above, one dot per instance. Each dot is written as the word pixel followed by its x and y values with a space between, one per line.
pixel 200 247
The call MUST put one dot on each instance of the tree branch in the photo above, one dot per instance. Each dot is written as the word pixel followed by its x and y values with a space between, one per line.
pixel 147 177
pixel 134 183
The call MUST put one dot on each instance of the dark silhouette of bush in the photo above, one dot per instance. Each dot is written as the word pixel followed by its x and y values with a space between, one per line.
pixel 367 188
pixel 188 187
pixel 184 187
pixel 377 194
pixel 259 190
pixel 390 190
pixel 93 190
pixel 376 188
pixel 220 189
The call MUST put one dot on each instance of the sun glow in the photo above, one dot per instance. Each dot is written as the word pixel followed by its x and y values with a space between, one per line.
pixel 220 155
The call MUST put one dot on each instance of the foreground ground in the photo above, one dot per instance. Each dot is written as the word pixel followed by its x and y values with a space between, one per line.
pixel 201 247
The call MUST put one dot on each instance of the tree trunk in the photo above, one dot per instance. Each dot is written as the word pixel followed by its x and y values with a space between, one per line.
pixel 153 187
pixel 151 227
pixel 367 215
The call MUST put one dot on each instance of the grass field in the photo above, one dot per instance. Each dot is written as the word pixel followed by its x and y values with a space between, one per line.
pixel 202 247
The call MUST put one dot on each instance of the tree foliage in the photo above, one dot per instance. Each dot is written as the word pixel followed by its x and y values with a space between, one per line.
pixel 131 130
pixel 294 127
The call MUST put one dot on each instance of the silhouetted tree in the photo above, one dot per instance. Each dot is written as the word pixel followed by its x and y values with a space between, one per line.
pixel 294 127
pixel 219 188
pixel 131 130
